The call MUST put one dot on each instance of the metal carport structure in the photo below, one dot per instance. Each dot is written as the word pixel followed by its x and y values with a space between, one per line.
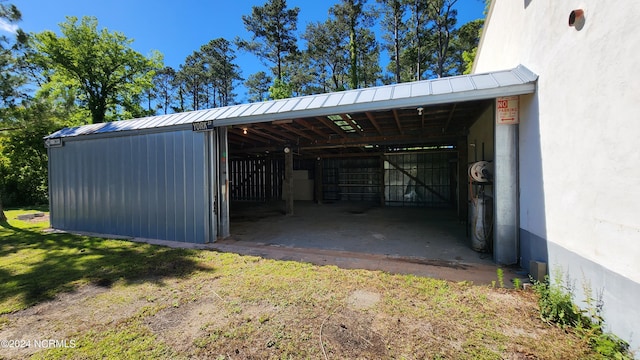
pixel 167 177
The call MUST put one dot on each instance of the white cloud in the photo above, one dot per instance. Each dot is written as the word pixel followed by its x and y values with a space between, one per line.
pixel 7 27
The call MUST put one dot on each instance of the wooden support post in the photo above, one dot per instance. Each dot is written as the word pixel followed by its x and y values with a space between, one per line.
pixel 317 182
pixel 463 179
pixel 288 181
pixel 382 184
pixel 269 179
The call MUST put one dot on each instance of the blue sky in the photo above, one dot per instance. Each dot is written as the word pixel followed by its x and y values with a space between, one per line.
pixel 177 28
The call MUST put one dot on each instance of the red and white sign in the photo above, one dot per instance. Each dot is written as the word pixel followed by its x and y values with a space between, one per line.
pixel 507 110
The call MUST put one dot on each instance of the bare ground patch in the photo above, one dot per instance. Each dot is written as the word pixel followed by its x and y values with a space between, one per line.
pixel 350 334
pixel 90 307
pixel 252 308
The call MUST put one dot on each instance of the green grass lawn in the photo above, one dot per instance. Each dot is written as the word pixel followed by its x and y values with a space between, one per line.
pixel 36 266
pixel 119 299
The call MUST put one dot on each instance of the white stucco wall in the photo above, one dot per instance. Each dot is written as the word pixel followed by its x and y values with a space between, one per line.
pixel 589 110
pixel 580 133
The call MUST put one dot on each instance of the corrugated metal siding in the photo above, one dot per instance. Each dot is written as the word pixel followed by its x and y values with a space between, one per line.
pixel 150 186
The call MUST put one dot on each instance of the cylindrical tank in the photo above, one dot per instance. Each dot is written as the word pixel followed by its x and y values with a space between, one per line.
pixel 482 223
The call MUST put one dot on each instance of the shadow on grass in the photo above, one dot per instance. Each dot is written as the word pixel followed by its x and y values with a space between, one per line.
pixel 36 266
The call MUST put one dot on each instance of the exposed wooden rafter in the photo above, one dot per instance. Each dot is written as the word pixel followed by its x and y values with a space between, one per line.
pixel 275 130
pixel 446 126
pixel 328 123
pixel 373 121
pixel 311 127
pixel 352 123
pixel 297 132
pixel 318 135
pixel 397 118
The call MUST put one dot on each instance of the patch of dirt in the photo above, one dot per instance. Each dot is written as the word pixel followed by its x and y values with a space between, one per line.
pixel 54 319
pixel 350 334
pixel 183 326
pixel 180 326
pixel 374 316
pixel 89 307
pixel 433 262
pixel 361 300
pixel 39 219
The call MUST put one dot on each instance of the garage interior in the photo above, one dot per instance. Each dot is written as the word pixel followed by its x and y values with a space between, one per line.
pixel 391 182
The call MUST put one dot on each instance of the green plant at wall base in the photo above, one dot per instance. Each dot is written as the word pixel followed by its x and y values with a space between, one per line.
pixel 517 284
pixel 500 274
pixel 555 301
pixel 592 328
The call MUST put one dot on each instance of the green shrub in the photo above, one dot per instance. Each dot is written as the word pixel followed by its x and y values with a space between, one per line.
pixel 555 301
pixel 556 304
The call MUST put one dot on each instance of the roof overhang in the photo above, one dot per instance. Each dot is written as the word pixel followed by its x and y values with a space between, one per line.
pixel 456 89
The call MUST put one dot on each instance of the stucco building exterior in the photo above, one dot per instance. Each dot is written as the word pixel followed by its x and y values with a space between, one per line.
pixel 578 155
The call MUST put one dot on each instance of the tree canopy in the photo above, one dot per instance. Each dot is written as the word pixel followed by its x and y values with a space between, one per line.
pixel 11 80
pixel 107 73
pixel 274 39
pixel 90 74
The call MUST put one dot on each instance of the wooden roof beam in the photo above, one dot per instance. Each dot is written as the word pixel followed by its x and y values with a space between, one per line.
pixel 297 132
pixel 272 129
pixel 353 124
pixel 266 135
pixel 311 127
pixel 374 122
pixel 446 126
pixel 330 124
pixel 397 118
pixel 423 138
pixel 249 135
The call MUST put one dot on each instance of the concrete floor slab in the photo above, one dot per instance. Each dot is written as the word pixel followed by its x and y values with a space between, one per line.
pixel 425 242
pixel 433 234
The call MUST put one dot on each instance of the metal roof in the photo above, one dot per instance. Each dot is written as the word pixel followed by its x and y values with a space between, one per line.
pixel 516 81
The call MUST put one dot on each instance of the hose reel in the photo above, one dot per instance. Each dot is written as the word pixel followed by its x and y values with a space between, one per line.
pixel 480 172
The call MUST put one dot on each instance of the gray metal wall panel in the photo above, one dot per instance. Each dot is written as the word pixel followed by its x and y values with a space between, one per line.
pixel 161 198
pixel 178 195
pixel 129 180
pixel 148 185
pixel 201 208
pixel 69 198
pixel 55 188
pixel 170 185
pixel 152 183
pixel 190 189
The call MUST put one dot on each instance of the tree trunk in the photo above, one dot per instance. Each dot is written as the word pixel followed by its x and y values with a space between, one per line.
pixel 3 217
pixel 353 54
pixel 396 37
pixel 417 39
